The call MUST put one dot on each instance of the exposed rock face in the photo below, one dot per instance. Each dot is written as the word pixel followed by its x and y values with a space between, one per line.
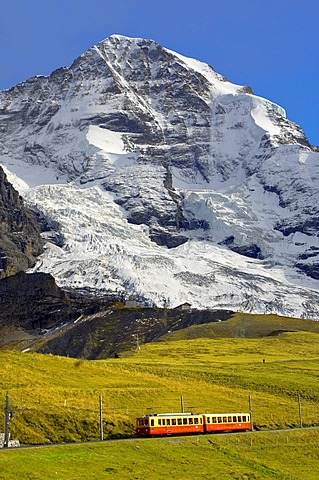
pixel 35 303
pixel 146 144
pixel 20 241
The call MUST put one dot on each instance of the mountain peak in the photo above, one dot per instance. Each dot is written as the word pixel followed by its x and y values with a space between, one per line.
pixel 124 38
pixel 117 41
pixel 166 181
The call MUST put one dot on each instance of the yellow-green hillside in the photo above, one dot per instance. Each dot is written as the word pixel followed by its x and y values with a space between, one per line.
pixel 243 325
pixel 57 398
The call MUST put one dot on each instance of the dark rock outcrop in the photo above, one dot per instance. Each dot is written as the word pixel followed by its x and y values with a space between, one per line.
pixel 35 303
pixel 251 251
pixel 310 269
pixel 20 240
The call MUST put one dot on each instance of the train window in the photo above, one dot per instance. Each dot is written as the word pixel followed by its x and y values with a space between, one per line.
pixel 201 420
pixel 208 419
pixel 244 418
pixel 168 421
pixel 219 419
pixel 224 419
pixel 196 420
pixel 234 419
pixel 179 421
pixel 173 421
pixel 152 423
pixel 190 421
pixel 229 419
pixel 163 421
pixel 239 418
pixel 214 420
pixel 159 421
pixel 184 421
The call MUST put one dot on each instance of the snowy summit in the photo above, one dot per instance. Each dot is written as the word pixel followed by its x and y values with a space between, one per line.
pixel 161 179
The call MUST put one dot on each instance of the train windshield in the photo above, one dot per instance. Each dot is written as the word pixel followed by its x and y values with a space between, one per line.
pixel 142 422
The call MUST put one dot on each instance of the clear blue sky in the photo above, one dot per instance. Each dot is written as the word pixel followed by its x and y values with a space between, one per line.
pixel 271 45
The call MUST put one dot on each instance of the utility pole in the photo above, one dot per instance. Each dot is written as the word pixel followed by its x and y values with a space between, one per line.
pixel 101 419
pixel 300 412
pixel 138 348
pixel 251 413
pixel 182 404
pixel 6 422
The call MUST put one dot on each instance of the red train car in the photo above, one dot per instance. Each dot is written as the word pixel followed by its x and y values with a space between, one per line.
pixel 169 424
pixel 226 422
pixel 190 423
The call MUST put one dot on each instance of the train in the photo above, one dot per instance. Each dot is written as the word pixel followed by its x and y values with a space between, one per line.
pixel 189 423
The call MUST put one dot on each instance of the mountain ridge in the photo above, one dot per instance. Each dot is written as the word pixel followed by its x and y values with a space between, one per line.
pixel 201 182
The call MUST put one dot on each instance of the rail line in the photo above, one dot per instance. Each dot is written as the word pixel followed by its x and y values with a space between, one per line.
pixel 143 439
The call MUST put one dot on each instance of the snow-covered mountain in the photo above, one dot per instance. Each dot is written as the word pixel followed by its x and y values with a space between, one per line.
pixel 164 181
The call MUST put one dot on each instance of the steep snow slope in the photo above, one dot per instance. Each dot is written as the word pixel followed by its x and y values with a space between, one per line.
pixel 102 250
pixel 166 181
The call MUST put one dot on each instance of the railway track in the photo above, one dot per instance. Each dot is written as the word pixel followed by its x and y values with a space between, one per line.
pixel 131 439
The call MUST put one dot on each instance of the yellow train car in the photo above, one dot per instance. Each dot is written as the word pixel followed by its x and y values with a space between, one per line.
pixel 169 424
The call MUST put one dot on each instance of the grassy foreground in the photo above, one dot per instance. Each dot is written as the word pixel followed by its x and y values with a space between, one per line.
pixel 265 455
pixel 56 399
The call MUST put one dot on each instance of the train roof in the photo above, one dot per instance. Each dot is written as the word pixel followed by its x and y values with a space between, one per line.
pixel 181 414
pixel 172 414
pixel 224 414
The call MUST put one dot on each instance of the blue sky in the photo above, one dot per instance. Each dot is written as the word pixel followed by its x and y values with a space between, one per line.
pixel 271 45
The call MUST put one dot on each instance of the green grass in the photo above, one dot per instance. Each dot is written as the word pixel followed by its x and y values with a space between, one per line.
pixel 243 325
pixel 56 399
pixel 264 455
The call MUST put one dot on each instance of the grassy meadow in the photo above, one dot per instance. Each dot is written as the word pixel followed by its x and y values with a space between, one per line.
pixel 285 455
pixel 56 399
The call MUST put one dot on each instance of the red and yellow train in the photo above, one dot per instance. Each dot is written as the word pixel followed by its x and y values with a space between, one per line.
pixel 188 423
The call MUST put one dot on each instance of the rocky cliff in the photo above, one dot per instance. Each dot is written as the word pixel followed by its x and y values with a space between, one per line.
pixel 20 240
pixel 35 304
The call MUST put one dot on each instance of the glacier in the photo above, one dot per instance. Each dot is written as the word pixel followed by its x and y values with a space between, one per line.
pixel 165 182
